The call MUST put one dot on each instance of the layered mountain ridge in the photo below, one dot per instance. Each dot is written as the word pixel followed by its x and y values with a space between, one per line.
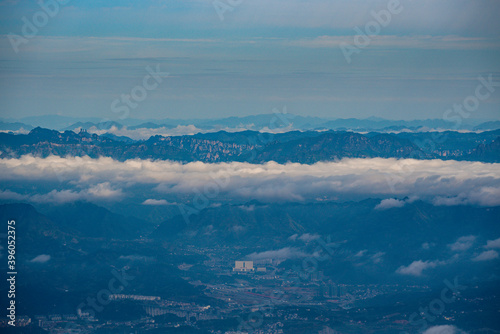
pixel 257 147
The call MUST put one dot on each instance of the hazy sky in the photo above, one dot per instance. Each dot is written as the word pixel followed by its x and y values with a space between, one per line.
pixel 248 58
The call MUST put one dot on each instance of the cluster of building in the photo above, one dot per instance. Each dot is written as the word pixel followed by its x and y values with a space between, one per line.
pixel 247 266
pixel 133 297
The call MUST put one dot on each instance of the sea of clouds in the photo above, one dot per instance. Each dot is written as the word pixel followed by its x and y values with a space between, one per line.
pixel 82 178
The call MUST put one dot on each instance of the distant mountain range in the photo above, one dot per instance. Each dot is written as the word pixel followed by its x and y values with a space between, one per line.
pixel 16 126
pixel 254 122
pixel 255 147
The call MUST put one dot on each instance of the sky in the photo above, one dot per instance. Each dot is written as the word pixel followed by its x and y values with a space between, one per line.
pixel 239 57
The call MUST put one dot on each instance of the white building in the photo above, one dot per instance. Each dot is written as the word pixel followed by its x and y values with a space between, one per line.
pixel 243 266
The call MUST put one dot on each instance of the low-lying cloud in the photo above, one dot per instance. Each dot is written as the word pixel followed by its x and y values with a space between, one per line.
pixel 390 203
pixel 444 329
pixel 179 130
pixel 416 268
pixel 284 253
pixel 83 178
pixel 463 243
pixel 42 258
pixel 157 202
pixel 493 243
pixel 486 256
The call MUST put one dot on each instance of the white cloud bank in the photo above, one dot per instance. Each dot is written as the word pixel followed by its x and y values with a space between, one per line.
pixel 41 259
pixel 157 202
pixel 493 243
pixel 284 253
pixel 416 268
pixel 486 256
pixel 444 329
pixel 180 130
pixel 98 192
pixel 390 203
pixel 463 243
pixel 455 182
pixel 145 133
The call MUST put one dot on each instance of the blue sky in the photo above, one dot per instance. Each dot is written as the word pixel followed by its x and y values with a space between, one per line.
pixel 262 55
